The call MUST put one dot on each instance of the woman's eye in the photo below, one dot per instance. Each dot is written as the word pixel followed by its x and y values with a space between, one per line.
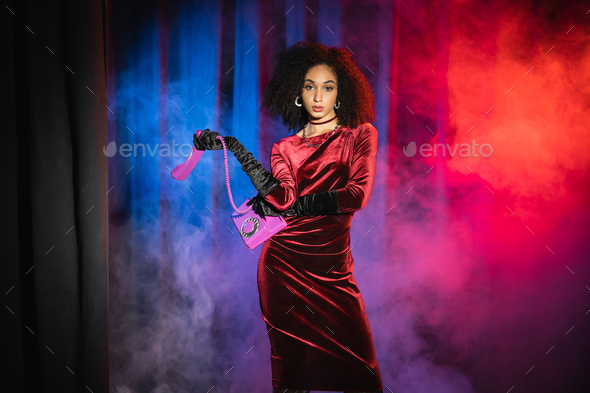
pixel 328 87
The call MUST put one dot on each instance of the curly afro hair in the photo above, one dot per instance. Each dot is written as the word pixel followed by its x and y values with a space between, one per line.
pixel 354 92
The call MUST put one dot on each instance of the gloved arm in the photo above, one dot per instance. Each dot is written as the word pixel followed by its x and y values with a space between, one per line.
pixel 355 195
pixel 263 180
pixel 279 201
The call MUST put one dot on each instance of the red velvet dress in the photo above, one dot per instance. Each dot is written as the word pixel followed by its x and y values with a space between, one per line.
pixel 317 325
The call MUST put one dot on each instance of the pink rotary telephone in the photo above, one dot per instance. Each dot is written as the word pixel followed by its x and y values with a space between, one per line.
pixel 253 229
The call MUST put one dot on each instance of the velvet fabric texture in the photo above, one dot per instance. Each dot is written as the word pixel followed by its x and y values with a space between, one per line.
pixel 317 325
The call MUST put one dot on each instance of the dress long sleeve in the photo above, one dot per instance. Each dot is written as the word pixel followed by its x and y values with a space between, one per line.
pixel 355 195
pixel 284 195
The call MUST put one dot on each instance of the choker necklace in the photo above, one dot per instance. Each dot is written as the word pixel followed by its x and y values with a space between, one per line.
pixel 308 144
pixel 324 122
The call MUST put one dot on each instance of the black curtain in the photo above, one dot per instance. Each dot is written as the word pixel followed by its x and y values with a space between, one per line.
pixel 55 188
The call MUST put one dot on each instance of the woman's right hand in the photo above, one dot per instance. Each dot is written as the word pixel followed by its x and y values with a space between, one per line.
pixel 207 140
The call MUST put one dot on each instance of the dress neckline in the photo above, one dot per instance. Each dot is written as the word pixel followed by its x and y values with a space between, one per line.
pixel 317 136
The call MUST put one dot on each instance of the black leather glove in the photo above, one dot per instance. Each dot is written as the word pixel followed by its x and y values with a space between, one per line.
pixel 207 140
pixel 323 203
pixel 263 208
pixel 263 180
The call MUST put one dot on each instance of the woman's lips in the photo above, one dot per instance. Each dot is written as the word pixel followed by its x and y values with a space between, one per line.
pixel 317 108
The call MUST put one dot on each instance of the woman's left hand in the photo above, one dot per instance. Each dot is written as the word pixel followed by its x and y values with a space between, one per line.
pixel 263 208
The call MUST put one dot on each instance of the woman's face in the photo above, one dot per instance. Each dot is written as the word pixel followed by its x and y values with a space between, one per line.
pixel 320 90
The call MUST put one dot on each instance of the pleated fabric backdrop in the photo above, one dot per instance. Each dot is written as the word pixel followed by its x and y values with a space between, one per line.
pixel 55 181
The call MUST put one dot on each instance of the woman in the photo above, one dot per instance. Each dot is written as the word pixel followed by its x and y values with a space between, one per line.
pixel 317 325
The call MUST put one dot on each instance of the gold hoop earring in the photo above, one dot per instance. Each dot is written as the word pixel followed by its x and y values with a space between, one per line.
pixel 296 98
